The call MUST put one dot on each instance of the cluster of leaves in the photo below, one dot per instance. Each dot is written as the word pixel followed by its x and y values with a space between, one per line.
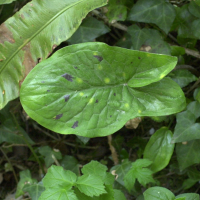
pixel 90 89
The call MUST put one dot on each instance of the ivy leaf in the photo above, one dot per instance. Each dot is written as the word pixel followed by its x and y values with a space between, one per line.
pixel 159 148
pixel 158 193
pixel 34 190
pixel 139 172
pixel 95 168
pixel 25 179
pixel 186 129
pixel 70 163
pixel 189 196
pixel 58 193
pixel 149 12
pixel 39 34
pixel 149 39
pixel 105 82
pixel 182 77
pixel 188 153
pixel 58 177
pixel 121 170
pixel 48 152
pixel 90 185
pixel 90 29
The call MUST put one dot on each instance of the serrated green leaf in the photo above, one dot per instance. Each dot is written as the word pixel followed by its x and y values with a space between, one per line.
pixel 90 185
pixel 70 163
pixel 189 196
pixel 6 1
pixel 188 153
pixel 34 190
pixel 182 77
pixel 25 179
pixel 148 39
pixel 109 179
pixel 139 172
pixel 159 149
pixel 149 12
pixel 58 194
pixel 89 30
pixel 186 129
pixel 95 168
pixel 58 177
pixel 158 193
pixel 100 80
pixel 48 152
pixel 32 34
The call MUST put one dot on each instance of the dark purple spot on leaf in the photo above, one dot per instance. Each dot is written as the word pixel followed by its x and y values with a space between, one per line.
pixel 76 67
pixel 86 96
pixel 114 94
pixel 59 116
pixel 131 62
pixel 139 58
pixel 75 124
pixel 99 58
pixel 68 77
pixel 48 90
pixel 43 82
pixel 120 16
pixel 110 115
pixel 66 97
pixel 97 101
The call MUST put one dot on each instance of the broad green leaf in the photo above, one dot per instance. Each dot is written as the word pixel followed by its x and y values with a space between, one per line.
pixel 34 190
pixel 119 195
pixel 95 168
pixel 194 9
pixel 182 77
pixel 188 153
pixel 89 30
pixel 104 83
pixel 109 179
pixel 58 177
pixel 180 198
pixel 70 163
pixel 109 195
pixel 58 194
pixel 47 152
pixel 150 12
pixel 6 1
pixel 188 183
pixel 194 174
pixel 148 40
pixel 189 196
pixel 159 149
pixel 25 179
pixel 84 140
pixel 32 34
pixel 125 42
pixel 158 193
pixel 90 185
pixel 177 50
pixel 140 172
pixel 186 129
pixel 117 11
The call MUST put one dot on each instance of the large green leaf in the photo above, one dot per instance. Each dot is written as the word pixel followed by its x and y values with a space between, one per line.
pixel 158 12
pixel 92 89
pixel 188 153
pixel 158 193
pixel 189 196
pixel 159 148
pixel 32 34
pixel 149 39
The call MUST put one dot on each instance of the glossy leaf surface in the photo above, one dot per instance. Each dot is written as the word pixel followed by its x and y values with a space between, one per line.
pixel 92 89
pixel 159 149
pixel 189 196
pixel 32 34
pixel 158 193
pixel 188 153
pixel 6 1
pixel 150 12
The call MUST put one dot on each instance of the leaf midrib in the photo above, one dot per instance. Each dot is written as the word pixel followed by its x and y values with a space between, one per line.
pixel 37 32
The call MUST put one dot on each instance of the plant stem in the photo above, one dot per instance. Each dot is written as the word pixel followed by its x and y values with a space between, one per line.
pixel 13 170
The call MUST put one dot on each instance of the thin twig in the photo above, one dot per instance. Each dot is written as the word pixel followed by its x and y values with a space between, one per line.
pixel 113 151
pixel 55 160
pixel 13 170
pixel 192 52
